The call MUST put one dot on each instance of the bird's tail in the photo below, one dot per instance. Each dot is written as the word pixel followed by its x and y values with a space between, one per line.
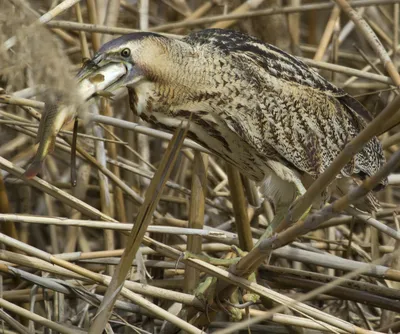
pixel 367 203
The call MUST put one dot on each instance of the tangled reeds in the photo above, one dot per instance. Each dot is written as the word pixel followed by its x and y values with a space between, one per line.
pixel 62 254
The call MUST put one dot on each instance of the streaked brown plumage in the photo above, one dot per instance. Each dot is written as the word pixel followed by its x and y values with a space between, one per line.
pixel 252 104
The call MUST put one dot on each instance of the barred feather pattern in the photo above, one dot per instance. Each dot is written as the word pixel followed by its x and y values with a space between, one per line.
pixel 250 103
pixel 289 107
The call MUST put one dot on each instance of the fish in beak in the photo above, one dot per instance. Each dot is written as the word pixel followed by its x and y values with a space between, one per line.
pixel 92 80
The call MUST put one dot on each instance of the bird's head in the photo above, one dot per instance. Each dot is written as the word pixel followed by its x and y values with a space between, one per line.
pixel 142 54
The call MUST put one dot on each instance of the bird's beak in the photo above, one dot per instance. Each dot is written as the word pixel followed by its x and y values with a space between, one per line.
pixel 90 66
pixel 100 74
pixel 94 78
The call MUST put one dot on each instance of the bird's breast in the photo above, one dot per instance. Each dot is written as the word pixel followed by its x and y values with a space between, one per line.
pixel 208 110
pixel 218 138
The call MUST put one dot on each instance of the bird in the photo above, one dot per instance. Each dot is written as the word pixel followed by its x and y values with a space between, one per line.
pixel 278 121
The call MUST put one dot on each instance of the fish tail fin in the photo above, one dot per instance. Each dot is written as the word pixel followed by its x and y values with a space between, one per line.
pixel 34 168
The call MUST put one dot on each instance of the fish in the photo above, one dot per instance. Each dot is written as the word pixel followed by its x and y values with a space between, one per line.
pixel 58 114
pixel 105 94
pixel 53 119
pixel 98 78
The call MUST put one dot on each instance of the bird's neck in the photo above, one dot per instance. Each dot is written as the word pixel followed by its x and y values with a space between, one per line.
pixel 177 72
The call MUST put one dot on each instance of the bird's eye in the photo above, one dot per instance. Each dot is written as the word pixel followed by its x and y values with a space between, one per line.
pixel 126 52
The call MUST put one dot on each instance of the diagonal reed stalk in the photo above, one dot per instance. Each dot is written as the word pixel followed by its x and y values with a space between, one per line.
pixel 143 219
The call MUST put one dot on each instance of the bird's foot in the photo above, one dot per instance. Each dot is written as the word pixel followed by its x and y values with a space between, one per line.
pixel 207 290
pixel 229 260
pixel 278 218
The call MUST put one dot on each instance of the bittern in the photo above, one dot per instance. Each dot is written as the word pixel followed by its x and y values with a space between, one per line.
pixel 257 107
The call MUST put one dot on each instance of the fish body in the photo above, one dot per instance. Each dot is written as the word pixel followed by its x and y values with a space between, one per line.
pixel 56 115
pixel 53 119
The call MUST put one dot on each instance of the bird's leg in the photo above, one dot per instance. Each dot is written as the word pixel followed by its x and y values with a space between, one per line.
pixel 281 211
pixel 213 260
pixel 284 193
pixel 206 291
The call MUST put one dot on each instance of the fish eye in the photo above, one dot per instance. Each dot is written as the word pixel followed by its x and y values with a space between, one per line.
pixel 126 53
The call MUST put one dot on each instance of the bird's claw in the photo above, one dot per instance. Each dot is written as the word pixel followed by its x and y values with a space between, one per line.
pixel 207 289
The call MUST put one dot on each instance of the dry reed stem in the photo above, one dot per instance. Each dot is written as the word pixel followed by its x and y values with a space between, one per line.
pixel 305 297
pixel 57 10
pixel 352 249
pixel 242 9
pixel 119 202
pixel 396 9
pixel 145 130
pixel 199 12
pixel 369 35
pixel 195 231
pixel 91 7
pixel 107 204
pixel 145 289
pixel 100 279
pixel 112 13
pixel 313 220
pixel 37 318
pixel 242 221
pixel 9 229
pixel 105 198
pixel 196 217
pixel 84 48
pixel 348 71
pixel 323 44
pixel 266 12
pixel 69 25
pixel 142 221
pixel 69 133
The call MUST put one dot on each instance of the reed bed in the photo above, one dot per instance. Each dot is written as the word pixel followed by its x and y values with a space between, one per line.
pixel 112 252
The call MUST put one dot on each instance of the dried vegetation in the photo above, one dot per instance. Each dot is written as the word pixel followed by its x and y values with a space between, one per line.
pixel 338 271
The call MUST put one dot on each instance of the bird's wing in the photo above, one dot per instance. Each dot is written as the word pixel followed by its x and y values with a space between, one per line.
pixel 302 116
pixel 274 61
pixel 307 131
